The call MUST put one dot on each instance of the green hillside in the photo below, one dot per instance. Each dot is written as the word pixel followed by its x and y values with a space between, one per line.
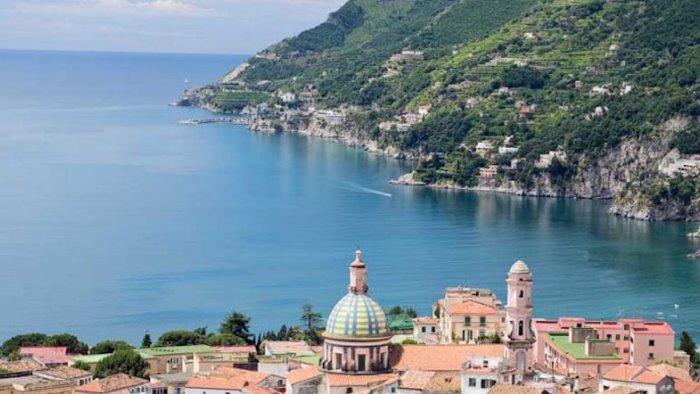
pixel 573 76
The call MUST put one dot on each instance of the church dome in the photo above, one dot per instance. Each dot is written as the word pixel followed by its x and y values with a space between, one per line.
pixel 357 315
pixel 519 268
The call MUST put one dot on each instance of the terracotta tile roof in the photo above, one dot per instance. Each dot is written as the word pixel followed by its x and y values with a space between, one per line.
pixel 439 358
pixel 111 383
pixel 683 387
pixel 64 372
pixel 217 383
pixel 444 382
pixel 46 355
pixel 342 380
pixel 623 373
pixel 619 390
pixel 250 376
pixel 508 389
pixel 236 349
pixel 672 371
pixel 303 374
pixel 254 389
pixel 631 373
pixel 21 366
pixel 416 380
pixel 472 307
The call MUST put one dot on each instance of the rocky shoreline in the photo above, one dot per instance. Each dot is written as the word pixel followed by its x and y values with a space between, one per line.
pixel 606 177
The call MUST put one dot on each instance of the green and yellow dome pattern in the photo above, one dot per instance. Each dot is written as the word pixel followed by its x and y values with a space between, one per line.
pixel 357 315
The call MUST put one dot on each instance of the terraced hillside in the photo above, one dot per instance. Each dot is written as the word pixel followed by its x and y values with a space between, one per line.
pixel 579 98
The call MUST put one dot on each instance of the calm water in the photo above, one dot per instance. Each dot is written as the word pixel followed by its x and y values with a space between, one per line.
pixel 115 220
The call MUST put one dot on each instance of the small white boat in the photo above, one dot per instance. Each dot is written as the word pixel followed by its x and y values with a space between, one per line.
pixel 695 234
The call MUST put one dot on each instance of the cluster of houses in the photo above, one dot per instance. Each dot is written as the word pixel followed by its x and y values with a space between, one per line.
pixel 472 343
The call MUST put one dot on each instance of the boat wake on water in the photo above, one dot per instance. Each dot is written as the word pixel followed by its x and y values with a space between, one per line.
pixel 353 187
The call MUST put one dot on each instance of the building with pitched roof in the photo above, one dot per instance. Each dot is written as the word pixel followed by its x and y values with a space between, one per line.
pixel 77 376
pixel 637 378
pixel 48 356
pixel 115 384
pixel 467 314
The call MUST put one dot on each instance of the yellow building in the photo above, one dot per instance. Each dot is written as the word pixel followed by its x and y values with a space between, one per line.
pixel 468 315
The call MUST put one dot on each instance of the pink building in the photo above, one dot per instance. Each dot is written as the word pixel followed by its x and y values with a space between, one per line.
pixel 577 345
pixel 47 356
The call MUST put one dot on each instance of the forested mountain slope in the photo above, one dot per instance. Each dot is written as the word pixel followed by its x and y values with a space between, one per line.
pixel 579 98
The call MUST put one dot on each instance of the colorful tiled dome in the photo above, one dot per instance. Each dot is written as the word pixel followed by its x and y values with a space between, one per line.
pixel 357 315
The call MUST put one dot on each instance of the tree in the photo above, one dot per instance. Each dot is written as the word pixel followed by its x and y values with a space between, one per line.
pixel 70 341
pixel 81 365
pixel 122 361
pixel 688 346
pixel 13 344
pixel 146 342
pixel 310 318
pixel 107 347
pixel 238 325
pixel 200 331
pixel 224 340
pixel 180 338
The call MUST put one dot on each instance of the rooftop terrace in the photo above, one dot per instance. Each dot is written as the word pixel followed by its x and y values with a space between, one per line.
pixel 576 350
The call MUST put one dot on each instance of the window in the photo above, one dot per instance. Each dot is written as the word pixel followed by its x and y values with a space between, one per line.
pixel 617 337
pixel 361 362
pixel 482 321
pixel 423 329
pixel 521 328
pixel 349 390
pixel 432 329
pixel 482 334
pixel 609 336
pixel 578 325
pixel 467 321
pixel 486 363
pixel 626 327
pixel 651 342
pixel 651 356
pixel 472 382
pixel 521 294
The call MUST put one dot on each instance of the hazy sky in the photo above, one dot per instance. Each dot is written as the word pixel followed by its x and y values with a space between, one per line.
pixel 213 26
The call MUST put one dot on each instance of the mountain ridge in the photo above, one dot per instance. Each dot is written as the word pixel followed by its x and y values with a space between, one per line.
pixel 567 83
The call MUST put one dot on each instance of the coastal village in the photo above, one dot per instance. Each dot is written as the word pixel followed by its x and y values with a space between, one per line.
pixel 472 343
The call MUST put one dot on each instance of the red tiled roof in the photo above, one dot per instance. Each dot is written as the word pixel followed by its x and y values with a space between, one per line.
pixel 343 380
pixel 426 320
pixel 46 355
pixel 472 307
pixel 303 374
pixel 632 373
pixel 683 387
pixel 21 366
pixel 672 371
pixel 440 358
pixel 250 376
pixel 218 382
pixel 64 372
pixel 416 380
pixel 111 383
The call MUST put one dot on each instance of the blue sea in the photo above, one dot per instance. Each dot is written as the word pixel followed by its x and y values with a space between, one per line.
pixel 115 220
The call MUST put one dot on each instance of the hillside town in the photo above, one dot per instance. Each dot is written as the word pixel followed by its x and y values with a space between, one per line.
pixel 471 344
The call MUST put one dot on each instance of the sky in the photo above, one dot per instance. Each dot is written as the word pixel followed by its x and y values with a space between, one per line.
pixel 182 26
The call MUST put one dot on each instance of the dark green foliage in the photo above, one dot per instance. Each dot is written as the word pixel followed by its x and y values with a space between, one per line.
pixel 688 345
pixel 238 325
pixel 398 310
pixel 106 347
pixel 81 365
pixel 122 361
pixel 71 342
pixel 688 142
pixel 180 338
pixel 523 76
pixel 146 342
pixel 441 132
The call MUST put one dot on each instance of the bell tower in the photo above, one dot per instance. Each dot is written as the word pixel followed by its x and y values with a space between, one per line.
pixel 358 275
pixel 519 335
